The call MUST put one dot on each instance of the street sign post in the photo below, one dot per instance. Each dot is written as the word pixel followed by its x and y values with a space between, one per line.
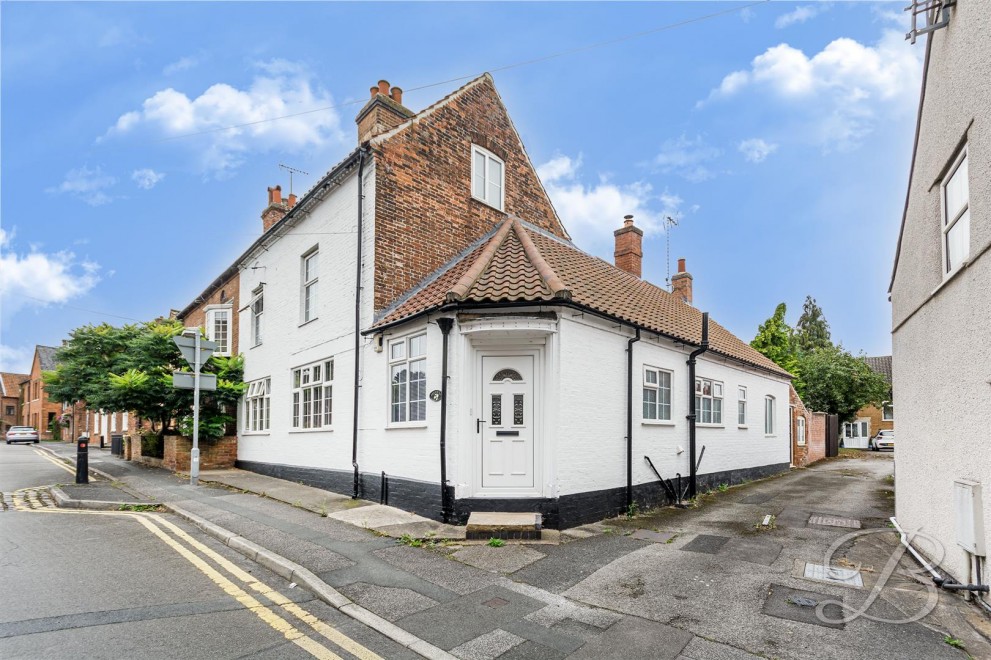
pixel 197 352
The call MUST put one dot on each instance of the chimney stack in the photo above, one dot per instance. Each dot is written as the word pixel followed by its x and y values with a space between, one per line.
pixel 383 112
pixel 629 250
pixel 681 283
pixel 277 207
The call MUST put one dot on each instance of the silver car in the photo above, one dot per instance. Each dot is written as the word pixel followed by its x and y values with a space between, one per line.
pixel 21 434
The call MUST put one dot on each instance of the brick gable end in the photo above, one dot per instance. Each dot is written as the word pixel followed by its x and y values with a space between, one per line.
pixel 424 212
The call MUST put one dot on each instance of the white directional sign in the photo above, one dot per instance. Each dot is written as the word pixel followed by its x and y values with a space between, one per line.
pixel 185 380
pixel 188 347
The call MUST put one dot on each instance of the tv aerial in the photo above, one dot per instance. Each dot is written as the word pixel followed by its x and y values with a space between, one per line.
pixel 292 170
pixel 669 223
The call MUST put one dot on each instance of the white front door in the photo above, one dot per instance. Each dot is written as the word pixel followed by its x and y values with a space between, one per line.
pixel 506 424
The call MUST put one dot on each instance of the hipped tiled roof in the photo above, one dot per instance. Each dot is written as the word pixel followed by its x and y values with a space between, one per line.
pixel 881 365
pixel 12 383
pixel 519 263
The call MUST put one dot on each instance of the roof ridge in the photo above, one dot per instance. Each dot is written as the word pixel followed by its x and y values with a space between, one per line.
pixel 537 260
pixel 464 284
pixel 430 109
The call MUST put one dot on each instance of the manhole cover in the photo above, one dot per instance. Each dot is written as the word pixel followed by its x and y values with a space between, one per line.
pixel 802 606
pixel 833 574
pixel 834 521
pixel 496 602
pixel 706 543
pixel 803 601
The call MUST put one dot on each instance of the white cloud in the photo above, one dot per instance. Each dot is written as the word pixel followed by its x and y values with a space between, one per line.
pixel 755 150
pixel 280 88
pixel 146 178
pixel 16 359
pixel 800 14
pixel 592 212
pixel 39 278
pixel 182 64
pixel 840 91
pixel 686 158
pixel 89 185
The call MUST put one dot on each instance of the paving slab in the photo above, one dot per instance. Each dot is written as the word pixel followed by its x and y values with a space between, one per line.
pixel 307 497
pixel 652 536
pixel 390 603
pixel 801 606
pixel 753 550
pixel 436 569
pixel 757 498
pixel 704 649
pixel 567 564
pixel 507 559
pixel 636 638
pixel 374 516
pixel 532 651
pixel 709 544
pixel 100 492
pixel 424 529
pixel 488 646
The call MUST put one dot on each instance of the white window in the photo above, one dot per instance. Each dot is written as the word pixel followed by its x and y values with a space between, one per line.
pixel 888 412
pixel 741 406
pixel 218 328
pixel 656 394
pixel 257 311
pixel 800 430
pixel 769 415
pixel 408 379
pixel 708 401
pixel 257 405
pixel 124 421
pixel 956 215
pixel 858 429
pixel 313 395
pixel 309 290
pixel 487 177
pixel 113 423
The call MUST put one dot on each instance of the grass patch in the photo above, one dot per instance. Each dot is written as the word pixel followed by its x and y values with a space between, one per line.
pixel 140 507
pixel 953 641
pixel 495 543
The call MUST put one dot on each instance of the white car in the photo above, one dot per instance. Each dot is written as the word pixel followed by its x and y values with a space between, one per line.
pixel 883 440
pixel 21 434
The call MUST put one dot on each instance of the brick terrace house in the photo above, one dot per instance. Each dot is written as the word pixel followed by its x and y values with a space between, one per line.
pixel 808 432
pixel 421 320
pixel 10 401
pixel 36 409
pixel 869 420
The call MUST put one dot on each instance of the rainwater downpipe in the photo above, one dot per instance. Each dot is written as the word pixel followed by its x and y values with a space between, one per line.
pixel 703 347
pixel 629 419
pixel 445 505
pixel 357 322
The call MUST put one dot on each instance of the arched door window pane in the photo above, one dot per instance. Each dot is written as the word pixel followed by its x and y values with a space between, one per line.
pixel 507 374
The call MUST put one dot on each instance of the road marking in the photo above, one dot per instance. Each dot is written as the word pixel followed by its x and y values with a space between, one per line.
pixel 298 638
pixel 48 458
pixel 324 629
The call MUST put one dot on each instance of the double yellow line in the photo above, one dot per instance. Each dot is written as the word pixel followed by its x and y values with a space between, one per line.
pixel 187 547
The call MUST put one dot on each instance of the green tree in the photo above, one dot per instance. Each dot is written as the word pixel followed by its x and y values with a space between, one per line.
pixel 812 329
pixel 85 363
pixel 774 340
pixel 837 382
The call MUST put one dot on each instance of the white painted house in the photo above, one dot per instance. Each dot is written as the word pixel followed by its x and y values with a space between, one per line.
pixel 420 317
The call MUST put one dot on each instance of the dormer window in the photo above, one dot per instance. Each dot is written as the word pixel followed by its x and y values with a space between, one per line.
pixel 487 177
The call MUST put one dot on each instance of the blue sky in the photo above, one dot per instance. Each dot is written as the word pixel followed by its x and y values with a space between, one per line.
pixel 779 135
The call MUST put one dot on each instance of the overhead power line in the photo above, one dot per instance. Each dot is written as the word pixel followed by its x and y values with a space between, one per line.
pixel 78 309
pixel 506 67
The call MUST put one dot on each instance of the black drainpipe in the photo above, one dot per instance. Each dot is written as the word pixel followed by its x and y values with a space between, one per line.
pixel 703 347
pixel 357 324
pixel 629 419
pixel 445 504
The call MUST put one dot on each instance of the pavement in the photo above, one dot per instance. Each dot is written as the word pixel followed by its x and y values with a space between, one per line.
pixel 705 583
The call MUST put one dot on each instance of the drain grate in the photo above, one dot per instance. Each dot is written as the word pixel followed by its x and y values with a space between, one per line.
pixel 844 576
pixel 834 521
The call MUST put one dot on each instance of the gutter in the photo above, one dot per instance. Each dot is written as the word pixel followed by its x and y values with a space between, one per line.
pixel 445 504
pixel 629 419
pixel 693 467
pixel 357 321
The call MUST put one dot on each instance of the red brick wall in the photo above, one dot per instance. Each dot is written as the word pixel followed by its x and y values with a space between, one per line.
pixel 817 438
pixel 226 293
pixel 424 212
pixel 9 420
pixel 36 408
pixel 214 455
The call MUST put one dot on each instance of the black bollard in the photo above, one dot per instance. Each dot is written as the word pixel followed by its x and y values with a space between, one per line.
pixel 82 460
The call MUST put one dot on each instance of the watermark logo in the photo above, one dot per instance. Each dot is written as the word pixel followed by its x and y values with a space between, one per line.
pixel 852 613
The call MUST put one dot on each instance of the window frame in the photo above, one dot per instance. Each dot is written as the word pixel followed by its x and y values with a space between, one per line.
pixel 800 430
pixel 488 156
pixel 657 387
pixel 312 377
pixel 211 326
pixel 770 415
pixel 742 407
pixel 947 223
pixel 699 398
pixel 885 407
pixel 260 391
pixel 405 360
pixel 257 317
pixel 307 302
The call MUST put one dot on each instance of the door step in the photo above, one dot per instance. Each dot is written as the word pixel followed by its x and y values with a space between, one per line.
pixel 484 525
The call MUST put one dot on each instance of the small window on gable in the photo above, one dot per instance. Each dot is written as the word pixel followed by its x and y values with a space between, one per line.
pixel 956 214
pixel 487 177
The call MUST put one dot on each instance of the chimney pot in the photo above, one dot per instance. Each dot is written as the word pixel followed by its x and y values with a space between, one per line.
pixel 275 195
pixel 629 247
pixel 681 284
pixel 384 87
pixel 292 200
pixel 276 209
pixel 397 95
pixel 374 91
